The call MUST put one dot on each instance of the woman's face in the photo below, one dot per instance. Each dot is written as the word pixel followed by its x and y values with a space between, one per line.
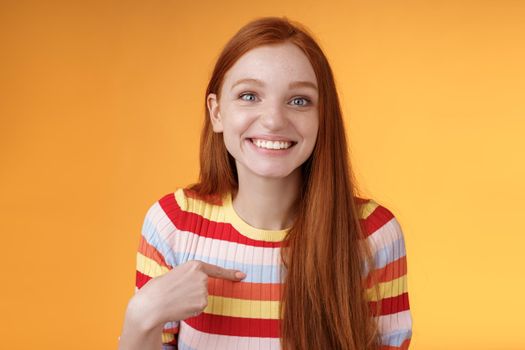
pixel 268 110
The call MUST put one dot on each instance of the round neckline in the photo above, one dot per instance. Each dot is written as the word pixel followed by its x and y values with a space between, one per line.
pixel 248 230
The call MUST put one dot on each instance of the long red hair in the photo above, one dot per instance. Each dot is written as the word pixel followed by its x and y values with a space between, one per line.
pixel 324 303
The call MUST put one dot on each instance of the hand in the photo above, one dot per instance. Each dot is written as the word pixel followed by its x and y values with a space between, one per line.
pixel 180 293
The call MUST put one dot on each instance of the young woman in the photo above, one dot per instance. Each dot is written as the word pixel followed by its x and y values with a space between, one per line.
pixel 272 248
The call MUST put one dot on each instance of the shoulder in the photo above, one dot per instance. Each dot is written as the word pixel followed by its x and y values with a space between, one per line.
pixel 167 217
pixel 377 219
pixel 160 212
pixel 180 202
pixel 383 232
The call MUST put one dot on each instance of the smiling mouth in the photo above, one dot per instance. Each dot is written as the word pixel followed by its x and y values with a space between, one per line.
pixel 272 145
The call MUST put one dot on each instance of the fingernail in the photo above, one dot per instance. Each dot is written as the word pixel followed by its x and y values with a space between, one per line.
pixel 240 274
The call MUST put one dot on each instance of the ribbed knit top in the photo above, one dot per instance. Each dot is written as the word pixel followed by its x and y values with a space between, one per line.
pixel 181 227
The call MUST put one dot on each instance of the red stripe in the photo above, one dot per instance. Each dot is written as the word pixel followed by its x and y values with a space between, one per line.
pixel 235 326
pixel 244 290
pixel 141 279
pixel 379 217
pixel 389 272
pixel 172 330
pixel 151 252
pixel 203 227
pixel 391 305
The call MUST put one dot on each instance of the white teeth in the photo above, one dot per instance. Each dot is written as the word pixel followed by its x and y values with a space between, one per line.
pixel 272 144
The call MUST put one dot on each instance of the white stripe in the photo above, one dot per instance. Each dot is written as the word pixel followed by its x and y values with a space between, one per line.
pixel 185 242
pixel 223 250
pixel 385 236
pixel 163 223
pixel 394 322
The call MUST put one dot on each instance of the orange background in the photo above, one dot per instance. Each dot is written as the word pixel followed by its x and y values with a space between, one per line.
pixel 101 108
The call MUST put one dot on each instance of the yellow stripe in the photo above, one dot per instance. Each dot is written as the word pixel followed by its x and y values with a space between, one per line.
pixel 149 267
pixel 368 208
pixel 242 308
pixel 181 199
pixel 167 337
pixel 389 289
pixel 199 207
pixel 226 214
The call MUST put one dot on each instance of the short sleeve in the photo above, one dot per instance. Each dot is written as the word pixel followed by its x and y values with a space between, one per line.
pixel 154 258
pixel 389 274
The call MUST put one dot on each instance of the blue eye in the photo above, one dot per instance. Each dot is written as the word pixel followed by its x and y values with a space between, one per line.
pixel 241 96
pixel 250 97
pixel 301 98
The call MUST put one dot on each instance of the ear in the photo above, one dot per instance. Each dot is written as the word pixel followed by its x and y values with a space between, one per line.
pixel 215 114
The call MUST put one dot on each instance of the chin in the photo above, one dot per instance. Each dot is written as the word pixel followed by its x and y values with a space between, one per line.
pixel 273 174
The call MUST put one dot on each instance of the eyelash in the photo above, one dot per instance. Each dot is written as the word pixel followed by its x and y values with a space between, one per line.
pixel 308 101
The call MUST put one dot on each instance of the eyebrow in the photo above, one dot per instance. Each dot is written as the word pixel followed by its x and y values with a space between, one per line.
pixel 293 84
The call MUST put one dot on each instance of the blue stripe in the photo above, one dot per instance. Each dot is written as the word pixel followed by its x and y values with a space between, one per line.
pixel 168 347
pixel 396 338
pixel 254 273
pixel 386 255
pixel 151 234
pixel 183 346
pixel 390 253
pixel 171 324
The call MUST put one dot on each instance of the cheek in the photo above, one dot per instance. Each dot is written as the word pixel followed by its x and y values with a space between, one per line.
pixel 234 132
pixel 230 143
pixel 237 122
pixel 309 129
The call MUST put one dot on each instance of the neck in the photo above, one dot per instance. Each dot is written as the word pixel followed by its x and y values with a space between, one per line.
pixel 267 203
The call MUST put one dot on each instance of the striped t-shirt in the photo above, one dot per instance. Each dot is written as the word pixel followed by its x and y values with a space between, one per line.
pixel 181 227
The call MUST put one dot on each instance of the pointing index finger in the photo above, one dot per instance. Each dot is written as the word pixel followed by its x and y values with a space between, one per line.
pixel 220 272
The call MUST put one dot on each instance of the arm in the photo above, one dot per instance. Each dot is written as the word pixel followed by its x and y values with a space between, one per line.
pixel 390 275
pixel 154 258
pixel 135 333
pixel 167 290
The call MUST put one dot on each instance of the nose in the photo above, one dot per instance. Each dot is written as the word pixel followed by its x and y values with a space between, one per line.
pixel 273 117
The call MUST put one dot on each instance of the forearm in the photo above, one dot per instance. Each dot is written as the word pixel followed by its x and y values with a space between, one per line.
pixel 138 333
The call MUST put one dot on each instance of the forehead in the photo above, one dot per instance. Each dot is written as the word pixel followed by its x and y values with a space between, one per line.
pixel 272 63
